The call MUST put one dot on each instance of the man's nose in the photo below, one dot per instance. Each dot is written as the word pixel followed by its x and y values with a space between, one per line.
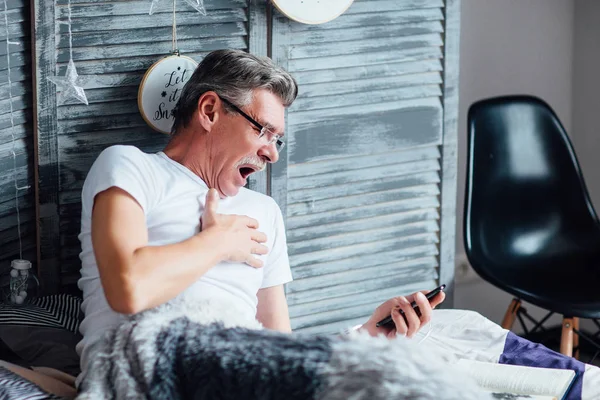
pixel 269 153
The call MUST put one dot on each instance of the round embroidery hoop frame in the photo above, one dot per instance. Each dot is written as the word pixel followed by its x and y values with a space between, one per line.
pixel 143 85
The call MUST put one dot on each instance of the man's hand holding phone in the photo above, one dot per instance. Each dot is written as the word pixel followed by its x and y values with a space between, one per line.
pixel 404 315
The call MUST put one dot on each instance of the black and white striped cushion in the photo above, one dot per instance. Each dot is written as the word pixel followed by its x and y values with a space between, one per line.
pixel 56 311
pixel 15 387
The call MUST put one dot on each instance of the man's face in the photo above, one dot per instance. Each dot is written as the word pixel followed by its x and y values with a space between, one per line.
pixel 236 149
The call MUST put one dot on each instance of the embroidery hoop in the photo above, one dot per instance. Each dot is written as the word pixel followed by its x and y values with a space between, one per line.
pixel 312 11
pixel 153 84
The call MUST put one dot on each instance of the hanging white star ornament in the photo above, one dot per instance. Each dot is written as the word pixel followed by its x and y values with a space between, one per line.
pixel 197 5
pixel 68 85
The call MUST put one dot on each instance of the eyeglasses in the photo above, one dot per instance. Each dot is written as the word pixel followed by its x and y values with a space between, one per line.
pixel 264 131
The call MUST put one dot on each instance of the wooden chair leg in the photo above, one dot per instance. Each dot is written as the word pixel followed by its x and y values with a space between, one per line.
pixel 566 338
pixel 511 314
pixel 576 337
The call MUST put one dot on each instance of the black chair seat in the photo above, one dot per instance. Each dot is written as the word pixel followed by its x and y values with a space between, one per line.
pixel 561 290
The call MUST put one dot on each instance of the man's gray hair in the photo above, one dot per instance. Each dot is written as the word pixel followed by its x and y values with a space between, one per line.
pixel 233 75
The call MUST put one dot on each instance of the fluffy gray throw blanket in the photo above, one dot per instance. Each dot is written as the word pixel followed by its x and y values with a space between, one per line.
pixel 206 351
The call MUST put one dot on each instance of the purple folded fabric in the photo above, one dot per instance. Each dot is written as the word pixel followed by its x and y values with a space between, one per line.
pixel 520 351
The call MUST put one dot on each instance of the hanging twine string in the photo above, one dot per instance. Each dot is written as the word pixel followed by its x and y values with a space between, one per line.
pixel 70 32
pixel 12 130
pixel 175 47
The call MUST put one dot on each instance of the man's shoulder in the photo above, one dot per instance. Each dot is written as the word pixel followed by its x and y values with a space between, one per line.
pixel 124 157
pixel 122 151
pixel 257 198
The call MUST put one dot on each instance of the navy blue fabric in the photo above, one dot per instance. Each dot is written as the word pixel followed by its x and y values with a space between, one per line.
pixel 519 351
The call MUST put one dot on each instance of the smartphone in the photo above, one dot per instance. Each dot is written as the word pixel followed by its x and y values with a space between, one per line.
pixel 429 296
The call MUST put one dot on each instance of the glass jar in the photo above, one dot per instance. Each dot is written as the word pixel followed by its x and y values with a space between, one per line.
pixel 19 285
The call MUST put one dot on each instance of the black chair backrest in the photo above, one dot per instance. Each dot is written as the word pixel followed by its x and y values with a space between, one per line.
pixel 525 198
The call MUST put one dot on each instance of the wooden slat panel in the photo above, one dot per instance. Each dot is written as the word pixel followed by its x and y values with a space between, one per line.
pixel 20 83
pixel 362 167
pixel 363 173
pixel 356 250
pixel 361 46
pixel 26 201
pixel 145 49
pixel 344 283
pixel 349 60
pixel 357 202
pixel 364 236
pixel 16 60
pixel 354 20
pixel 139 7
pixel 360 73
pixel 394 255
pixel 110 23
pixel 153 35
pixel 365 212
pixel 18 103
pixel 309 196
pixel 17 207
pixel 331 230
pixel 19 132
pixel 449 148
pixel 336 135
pixel 378 6
pixel 19 117
pixel 324 90
pixel 361 98
pixel 114 43
pixel 14 47
pixel 357 162
pixel 368 32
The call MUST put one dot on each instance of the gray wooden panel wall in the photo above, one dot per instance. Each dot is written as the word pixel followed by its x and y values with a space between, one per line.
pixel 361 181
pixel 114 43
pixel 17 58
pixel 367 181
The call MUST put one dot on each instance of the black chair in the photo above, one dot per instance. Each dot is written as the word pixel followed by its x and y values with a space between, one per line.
pixel 529 225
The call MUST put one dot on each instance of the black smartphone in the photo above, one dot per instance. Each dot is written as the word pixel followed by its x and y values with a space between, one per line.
pixel 429 296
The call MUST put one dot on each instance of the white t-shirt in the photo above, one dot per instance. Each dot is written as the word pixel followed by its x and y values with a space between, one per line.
pixel 173 198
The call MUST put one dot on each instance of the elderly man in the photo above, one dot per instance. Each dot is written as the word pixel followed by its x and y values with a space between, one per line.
pixel 155 226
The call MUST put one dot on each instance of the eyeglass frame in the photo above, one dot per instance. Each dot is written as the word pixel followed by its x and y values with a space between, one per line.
pixel 279 144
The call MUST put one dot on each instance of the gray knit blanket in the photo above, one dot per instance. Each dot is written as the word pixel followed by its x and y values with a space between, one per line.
pixel 205 350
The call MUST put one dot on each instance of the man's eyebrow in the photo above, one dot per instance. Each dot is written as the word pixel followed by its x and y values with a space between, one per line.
pixel 271 128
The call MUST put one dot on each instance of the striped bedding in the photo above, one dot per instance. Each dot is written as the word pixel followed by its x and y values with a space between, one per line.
pixel 56 311
pixel 14 387
pixel 60 311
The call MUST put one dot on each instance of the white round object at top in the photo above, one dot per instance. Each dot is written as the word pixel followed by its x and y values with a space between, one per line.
pixel 312 11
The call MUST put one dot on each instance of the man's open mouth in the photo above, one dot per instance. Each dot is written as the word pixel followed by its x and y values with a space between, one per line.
pixel 246 171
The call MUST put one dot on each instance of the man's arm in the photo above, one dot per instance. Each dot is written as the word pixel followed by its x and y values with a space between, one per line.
pixel 136 276
pixel 272 310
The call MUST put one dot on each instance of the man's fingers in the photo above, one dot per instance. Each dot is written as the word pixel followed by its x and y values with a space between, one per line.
pixel 251 222
pixel 438 299
pixel 212 202
pixel 424 308
pixel 399 321
pixel 254 262
pixel 411 316
pixel 258 237
pixel 260 249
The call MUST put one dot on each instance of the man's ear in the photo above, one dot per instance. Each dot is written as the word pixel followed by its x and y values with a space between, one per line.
pixel 208 108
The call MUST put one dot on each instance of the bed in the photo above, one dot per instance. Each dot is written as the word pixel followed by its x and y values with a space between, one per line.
pixel 38 358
